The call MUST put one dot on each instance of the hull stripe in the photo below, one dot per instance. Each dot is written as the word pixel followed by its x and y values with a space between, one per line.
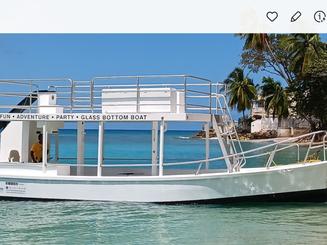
pixel 299 196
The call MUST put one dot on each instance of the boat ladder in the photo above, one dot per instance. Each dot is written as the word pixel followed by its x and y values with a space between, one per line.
pixel 227 136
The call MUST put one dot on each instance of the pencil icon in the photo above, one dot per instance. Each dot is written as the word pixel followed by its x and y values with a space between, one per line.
pixel 296 16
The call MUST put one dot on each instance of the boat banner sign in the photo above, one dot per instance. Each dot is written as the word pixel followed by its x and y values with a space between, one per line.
pixel 88 117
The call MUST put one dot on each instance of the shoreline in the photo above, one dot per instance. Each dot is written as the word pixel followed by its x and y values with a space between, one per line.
pixel 260 140
pixel 274 140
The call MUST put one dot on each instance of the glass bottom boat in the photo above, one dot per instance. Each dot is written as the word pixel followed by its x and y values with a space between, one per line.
pixel 41 107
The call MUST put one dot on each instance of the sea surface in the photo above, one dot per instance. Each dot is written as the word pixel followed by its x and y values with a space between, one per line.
pixel 31 222
pixel 134 146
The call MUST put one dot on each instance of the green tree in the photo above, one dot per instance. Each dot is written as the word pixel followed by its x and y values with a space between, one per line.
pixel 299 59
pixel 264 46
pixel 241 90
pixel 309 94
pixel 267 89
pixel 276 99
pixel 259 41
pixel 303 49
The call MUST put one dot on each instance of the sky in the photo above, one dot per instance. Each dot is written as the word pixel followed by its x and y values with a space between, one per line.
pixel 84 56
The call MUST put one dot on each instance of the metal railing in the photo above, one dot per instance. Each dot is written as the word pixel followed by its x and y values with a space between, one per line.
pixel 277 147
pixel 197 93
pixel 20 94
pixel 86 96
pixel 270 151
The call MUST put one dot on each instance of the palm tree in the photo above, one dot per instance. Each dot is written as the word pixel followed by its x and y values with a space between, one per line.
pixel 267 89
pixel 304 48
pixel 241 90
pixel 276 99
pixel 258 41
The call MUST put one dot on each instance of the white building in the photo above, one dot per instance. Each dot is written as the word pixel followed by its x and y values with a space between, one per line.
pixel 263 122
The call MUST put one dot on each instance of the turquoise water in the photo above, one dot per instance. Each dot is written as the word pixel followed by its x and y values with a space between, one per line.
pixel 118 223
pixel 134 146
pixel 30 222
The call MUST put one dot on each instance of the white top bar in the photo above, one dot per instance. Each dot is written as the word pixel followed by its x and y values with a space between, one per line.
pixel 159 16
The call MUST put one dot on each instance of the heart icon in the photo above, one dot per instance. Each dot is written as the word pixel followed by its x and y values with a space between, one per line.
pixel 272 15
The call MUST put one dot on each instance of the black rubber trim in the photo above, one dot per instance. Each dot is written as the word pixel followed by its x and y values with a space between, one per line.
pixel 300 196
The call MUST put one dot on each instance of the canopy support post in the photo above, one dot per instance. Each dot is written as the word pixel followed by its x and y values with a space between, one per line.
pixel 161 146
pixel 80 147
pixel 207 144
pixel 100 148
pixel 154 166
pixel 56 145
pixel 44 147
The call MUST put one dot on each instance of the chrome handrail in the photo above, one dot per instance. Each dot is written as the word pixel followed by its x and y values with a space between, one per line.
pixel 28 88
pixel 200 162
pixel 198 92
pixel 283 142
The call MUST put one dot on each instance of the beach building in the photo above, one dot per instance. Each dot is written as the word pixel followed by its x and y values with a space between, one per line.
pixel 262 122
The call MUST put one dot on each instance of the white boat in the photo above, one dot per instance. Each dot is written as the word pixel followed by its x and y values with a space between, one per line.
pixel 32 106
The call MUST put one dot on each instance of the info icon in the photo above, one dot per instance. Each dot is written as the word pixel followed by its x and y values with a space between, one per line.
pixel 320 16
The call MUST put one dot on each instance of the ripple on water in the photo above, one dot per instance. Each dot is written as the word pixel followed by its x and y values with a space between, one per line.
pixel 133 223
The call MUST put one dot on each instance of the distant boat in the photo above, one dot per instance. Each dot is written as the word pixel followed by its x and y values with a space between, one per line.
pixel 44 105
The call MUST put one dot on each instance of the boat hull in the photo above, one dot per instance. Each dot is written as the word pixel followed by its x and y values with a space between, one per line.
pixel 298 182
